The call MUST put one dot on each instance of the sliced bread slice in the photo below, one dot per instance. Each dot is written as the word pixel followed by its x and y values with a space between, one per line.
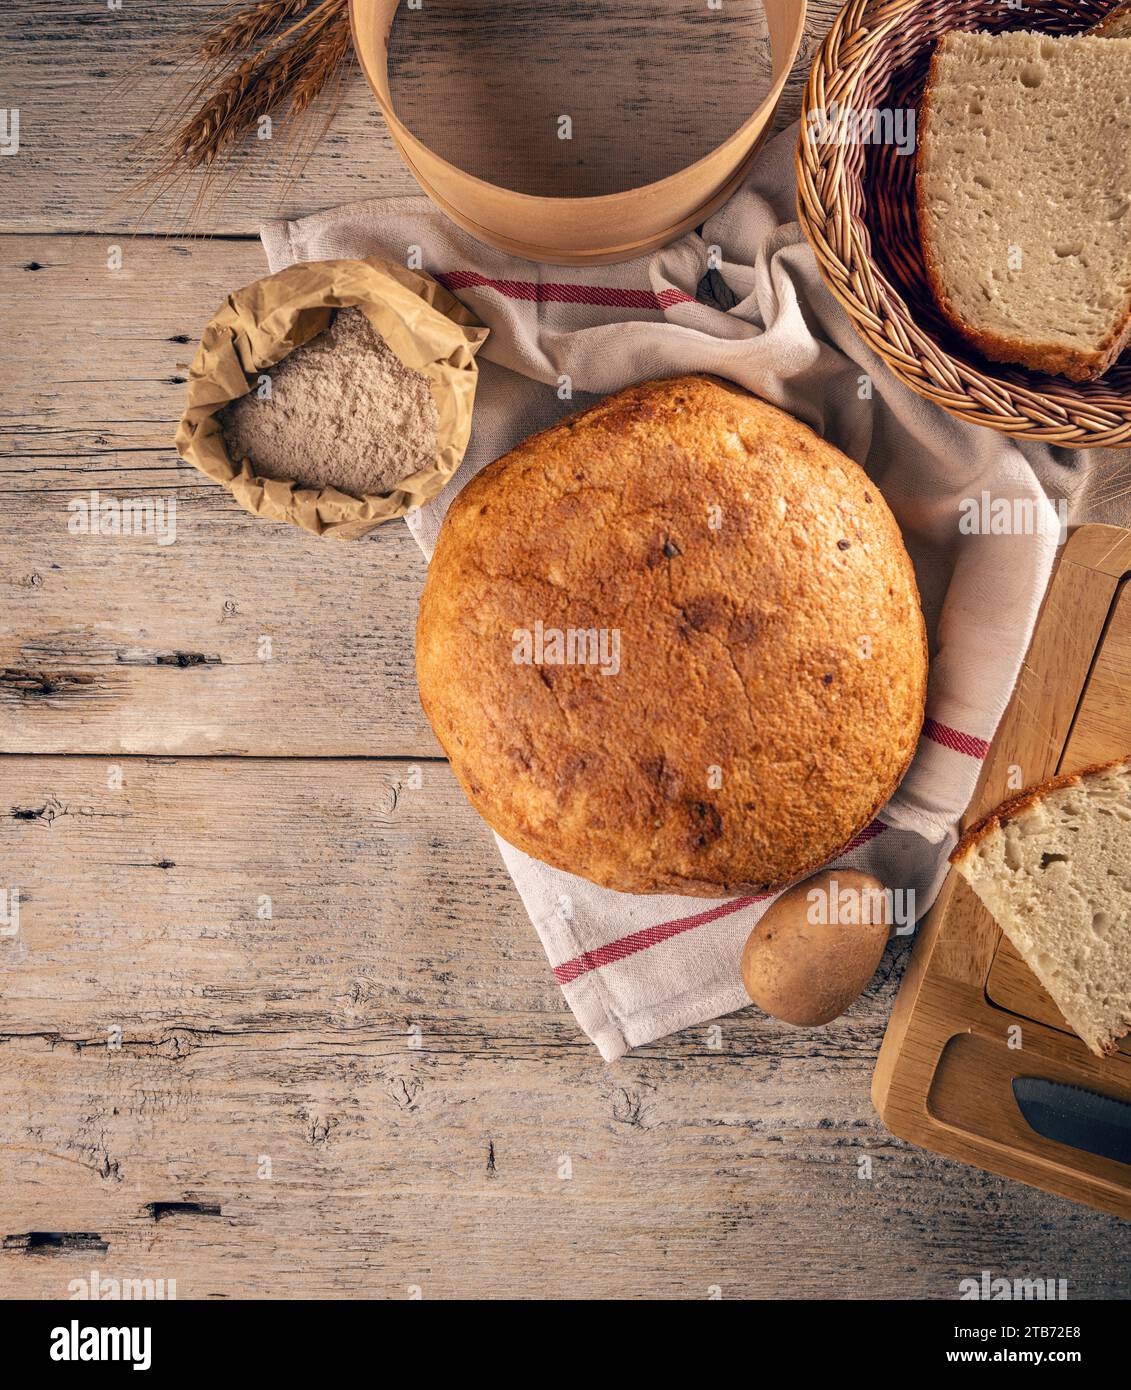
pixel 1024 195
pixel 1116 24
pixel 1053 865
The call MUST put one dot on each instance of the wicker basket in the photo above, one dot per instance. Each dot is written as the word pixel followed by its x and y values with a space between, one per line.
pixel 856 202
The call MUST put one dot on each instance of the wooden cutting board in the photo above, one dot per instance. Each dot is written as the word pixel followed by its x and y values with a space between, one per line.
pixel 970 1016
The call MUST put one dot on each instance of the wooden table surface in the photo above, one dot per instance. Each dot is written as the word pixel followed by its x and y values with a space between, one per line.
pixel 274 1023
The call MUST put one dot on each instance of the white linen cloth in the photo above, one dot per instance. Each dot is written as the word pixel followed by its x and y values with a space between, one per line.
pixel 636 968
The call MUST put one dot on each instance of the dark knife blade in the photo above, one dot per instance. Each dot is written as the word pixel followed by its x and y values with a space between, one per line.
pixel 1070 1115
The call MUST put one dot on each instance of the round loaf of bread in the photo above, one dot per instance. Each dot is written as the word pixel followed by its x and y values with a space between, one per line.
pixel 674 644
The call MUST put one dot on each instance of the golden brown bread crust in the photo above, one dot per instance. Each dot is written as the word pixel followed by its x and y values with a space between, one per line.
pixel 1056 359
pixel 741 644
pixel 1116 24
pixel 1012 807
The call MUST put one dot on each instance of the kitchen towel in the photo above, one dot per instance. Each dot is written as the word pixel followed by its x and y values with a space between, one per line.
pixel 636 968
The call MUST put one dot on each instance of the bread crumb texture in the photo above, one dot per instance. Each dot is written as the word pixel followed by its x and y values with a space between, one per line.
pixel 772 660
pixel 1053 866
pixel 1024 193
pixel 343 412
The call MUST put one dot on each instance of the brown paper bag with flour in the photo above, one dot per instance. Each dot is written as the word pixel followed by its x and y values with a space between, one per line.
pixel 428 329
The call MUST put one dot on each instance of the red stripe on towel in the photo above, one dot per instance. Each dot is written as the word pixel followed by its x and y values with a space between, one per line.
pixel 535 292
pixel 647 937
pixel 955 739
pixel 641 940
pixel 877 827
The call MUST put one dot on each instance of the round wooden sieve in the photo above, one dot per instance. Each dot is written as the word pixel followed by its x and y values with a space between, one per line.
pixel 579 231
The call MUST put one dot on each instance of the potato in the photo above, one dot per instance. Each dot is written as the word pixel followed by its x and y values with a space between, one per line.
pixel 817 946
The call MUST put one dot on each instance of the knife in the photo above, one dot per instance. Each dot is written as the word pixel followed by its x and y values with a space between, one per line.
pixel 1070 1115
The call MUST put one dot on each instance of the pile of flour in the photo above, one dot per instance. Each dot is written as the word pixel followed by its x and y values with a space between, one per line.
pixel 344 412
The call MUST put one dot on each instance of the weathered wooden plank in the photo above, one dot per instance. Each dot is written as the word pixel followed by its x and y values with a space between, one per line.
pixel 428 1158
pixel 96 359
pixel 248 894
pixel 661 88
pixel 387 904
pixel 393 1168
pixel 88 81
pixel 123 643
pixel 130 647
pixel 290 1036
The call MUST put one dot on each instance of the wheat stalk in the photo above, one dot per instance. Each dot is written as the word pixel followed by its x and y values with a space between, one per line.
pixel 326 59
pixel 248 27
pixel 292 68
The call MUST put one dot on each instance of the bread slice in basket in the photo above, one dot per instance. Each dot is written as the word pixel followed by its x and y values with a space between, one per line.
pixel 1024 196
pixel 1053 865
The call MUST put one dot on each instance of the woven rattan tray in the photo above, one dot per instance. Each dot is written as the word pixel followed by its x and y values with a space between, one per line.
pixel 856 203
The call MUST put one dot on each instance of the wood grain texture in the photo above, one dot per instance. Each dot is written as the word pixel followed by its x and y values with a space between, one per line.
pixel 438 1165
pixel 1103 721
pixel 80 119
pixel 122 644
pixel 955 986
pixel 289 1037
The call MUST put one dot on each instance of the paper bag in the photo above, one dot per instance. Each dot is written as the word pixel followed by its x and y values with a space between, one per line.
pixel 427 328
